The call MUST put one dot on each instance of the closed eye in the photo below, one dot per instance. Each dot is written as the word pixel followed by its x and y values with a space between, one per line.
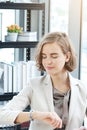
pixel 44 56
pixel 54 56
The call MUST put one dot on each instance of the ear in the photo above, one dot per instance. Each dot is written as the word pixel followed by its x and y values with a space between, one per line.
pixel 68 55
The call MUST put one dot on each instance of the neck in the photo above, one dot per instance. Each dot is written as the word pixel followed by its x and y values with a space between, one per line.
pixel 61 82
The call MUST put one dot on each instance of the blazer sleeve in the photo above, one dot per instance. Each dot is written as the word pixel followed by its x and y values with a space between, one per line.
pixel 11 110
pixel 86 102
pixel 86 109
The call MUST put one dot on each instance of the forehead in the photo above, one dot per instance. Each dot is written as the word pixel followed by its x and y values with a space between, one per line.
pixel 51 47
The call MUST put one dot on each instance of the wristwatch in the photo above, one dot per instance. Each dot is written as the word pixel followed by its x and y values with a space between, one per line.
pixel 30 115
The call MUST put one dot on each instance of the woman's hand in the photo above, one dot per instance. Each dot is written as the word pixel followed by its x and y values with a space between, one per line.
pixel 50 118
pixel 81 128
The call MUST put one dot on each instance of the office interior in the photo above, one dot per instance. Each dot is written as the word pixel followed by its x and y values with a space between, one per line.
pixel 69 16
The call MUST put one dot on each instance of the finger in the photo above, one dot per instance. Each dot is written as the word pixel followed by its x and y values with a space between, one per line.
pixel 60 125
pixel 56 123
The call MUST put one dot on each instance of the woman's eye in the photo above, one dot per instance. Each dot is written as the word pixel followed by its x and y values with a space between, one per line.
pixel 55 57
pixel 43 57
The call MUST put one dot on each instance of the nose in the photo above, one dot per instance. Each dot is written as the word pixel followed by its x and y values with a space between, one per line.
pixel 49 61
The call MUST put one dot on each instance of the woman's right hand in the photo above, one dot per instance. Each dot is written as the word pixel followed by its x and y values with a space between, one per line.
pixel 81 128
pixel 50 118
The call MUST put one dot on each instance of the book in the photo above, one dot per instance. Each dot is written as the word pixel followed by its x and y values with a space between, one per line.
pixel 24 74
pixel 10 78
pixel 14 82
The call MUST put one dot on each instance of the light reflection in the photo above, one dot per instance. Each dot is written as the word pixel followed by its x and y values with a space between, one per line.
pixel 7 55
pixel 59 10
pixel 8 18
pixel 83 67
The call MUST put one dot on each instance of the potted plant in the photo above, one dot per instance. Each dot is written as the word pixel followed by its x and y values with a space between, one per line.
pixel 13 31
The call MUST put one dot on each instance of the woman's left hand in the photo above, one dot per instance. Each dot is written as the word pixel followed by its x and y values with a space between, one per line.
pixel 50 118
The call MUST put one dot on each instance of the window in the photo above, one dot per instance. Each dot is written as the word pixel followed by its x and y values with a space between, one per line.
pixel 59 10
pixel 83 68
pixel 7 18
pixel 0 26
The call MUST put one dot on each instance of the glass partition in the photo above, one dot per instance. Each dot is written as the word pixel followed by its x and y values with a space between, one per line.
pixel 59 10
pixel 0 26
pixel 83 67
pixel 7 18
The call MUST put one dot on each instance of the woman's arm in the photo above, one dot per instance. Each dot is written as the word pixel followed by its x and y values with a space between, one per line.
pixel 50 118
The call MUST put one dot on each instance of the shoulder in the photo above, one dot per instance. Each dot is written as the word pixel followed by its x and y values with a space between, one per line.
pixel 81 85
pixel 38 81
pixel 38 78
pixel 33 84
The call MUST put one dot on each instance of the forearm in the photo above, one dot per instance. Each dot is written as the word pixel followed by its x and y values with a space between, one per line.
pixel 22 117
pixel 25 116
pixel 47 117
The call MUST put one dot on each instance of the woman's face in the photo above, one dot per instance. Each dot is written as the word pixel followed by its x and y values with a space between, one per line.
pixel 53 58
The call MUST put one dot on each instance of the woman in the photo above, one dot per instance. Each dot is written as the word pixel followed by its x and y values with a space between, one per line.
pixel 57 100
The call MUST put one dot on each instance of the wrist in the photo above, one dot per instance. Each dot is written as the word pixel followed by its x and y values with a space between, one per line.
pixel 31 115
pixel 35 115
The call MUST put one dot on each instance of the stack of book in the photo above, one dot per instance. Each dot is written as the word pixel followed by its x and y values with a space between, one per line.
pixel 27 36
pixel 14 77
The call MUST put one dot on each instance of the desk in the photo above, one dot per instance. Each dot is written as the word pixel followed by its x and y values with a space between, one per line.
pixel 10 127
pixel 22 126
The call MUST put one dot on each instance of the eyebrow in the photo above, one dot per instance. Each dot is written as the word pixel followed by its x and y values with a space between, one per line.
pixel 51 54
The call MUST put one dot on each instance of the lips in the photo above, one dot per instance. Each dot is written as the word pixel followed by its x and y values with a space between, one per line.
pixel 49 68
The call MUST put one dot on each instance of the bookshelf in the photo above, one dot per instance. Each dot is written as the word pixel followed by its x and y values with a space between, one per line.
pixel 7 96
pixel 24 44
pixel 28 6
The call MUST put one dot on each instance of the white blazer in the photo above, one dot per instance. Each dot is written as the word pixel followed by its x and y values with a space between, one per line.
pixel 38 93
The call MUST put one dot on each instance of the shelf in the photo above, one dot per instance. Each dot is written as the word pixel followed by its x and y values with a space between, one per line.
pixel 28 6
pixel 23 44
pixel 7 96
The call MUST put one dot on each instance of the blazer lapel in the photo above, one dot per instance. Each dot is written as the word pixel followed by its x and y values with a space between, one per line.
pixel 73 99
pixel 47 87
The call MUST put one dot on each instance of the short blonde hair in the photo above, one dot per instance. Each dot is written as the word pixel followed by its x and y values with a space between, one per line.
pixel 63 42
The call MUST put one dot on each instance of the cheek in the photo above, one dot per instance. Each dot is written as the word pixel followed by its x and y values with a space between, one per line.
pixel 44 62
pixel 61 61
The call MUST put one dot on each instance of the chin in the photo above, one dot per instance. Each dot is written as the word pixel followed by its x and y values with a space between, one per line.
pixel 51 73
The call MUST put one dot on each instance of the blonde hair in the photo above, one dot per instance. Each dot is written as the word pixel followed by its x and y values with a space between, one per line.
pixel 65 44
